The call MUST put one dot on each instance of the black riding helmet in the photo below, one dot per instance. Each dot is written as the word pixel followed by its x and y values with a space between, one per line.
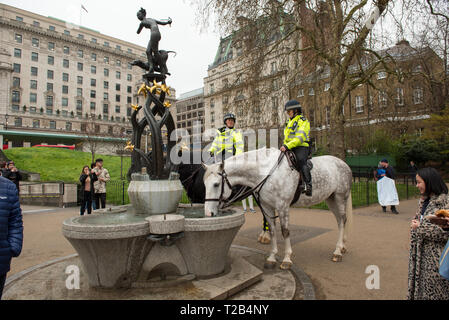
pixel 293 105
pixel 228 116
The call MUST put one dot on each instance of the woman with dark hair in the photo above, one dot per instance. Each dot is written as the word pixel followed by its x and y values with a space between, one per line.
pixel 427 240
pixel 87 179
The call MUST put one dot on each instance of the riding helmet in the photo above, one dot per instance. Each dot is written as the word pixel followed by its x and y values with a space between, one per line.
pixel 292 105
pixel 228 116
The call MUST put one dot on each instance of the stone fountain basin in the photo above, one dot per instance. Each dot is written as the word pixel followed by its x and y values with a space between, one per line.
pixel 113 245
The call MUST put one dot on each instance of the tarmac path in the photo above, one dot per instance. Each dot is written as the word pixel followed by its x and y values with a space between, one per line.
pixel 377 239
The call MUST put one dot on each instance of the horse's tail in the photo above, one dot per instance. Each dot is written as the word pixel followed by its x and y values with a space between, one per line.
pixel 348 224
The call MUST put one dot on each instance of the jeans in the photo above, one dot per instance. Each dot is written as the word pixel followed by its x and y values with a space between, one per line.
pixel 86 203
pixel 98 197
pixel 2 284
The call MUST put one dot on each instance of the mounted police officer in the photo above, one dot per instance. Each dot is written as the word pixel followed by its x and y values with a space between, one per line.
pixel 296 139
pixel 228 142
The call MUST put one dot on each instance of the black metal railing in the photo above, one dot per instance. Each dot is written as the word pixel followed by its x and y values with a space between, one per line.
pixel 116 192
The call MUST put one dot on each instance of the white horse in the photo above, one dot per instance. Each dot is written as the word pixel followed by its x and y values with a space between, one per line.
pixel 331 179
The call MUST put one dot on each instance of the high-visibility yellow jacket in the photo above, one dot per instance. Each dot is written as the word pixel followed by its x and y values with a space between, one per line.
pixel 296 132
pixel 228 140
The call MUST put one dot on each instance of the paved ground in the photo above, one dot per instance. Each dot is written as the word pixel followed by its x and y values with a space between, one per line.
pixel 380 239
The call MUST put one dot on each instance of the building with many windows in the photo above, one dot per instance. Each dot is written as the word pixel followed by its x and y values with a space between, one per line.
pixel 60 80
pixel 190 108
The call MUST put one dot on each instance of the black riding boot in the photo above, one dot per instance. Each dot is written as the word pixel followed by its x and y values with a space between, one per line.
pixel 307 178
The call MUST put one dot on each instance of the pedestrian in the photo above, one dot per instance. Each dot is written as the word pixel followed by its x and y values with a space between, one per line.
pixel 11 227
pixel 296 139
pixel 94 206
pixel 2 167
pixel 228 141
pixel 412 168
pixel 100 184
pixel 87 180
pixel 389 172
pixel 427 240
pixel 13 174
pixel 380 172
pixel 250 203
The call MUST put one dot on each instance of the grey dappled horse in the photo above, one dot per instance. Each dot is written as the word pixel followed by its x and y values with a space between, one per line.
pixel 331 178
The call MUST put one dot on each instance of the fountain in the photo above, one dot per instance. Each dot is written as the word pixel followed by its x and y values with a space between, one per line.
pixel 155 236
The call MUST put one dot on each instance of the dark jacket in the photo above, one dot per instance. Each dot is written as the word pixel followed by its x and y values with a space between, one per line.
pixel 389 172
pixel 93 178
pixel 14 177
pixel 11 226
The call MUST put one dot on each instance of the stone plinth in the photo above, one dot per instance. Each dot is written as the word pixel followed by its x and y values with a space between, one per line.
pixel 166 223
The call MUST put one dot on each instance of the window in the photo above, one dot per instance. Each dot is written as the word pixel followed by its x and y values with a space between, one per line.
pixel 79 92
pixel 51 46
pixel 79 105
pixel 327 86
pixel 33 97
pixel 80 54
pixel 105 96
pixel 18 38
pixel 36 123
pixel 106 72
pixel 49 101
pixel 81 36
pixel 33 84
pixel 311 92
pixel 312 117
pixel 79 80
pixel 34 56
pixel 35 42
pixel 105 108
pixel 92 106
pixel 65 89
pixel 51 28
pixel 15 107
pixel 273 67
pixel 15 82
pixel 118 63
pixel 129 77
pixel 418 95
pixel 93 82
pixel 94 56
pixel 381 75
pixel 117 86
pixel 93 94
pixel 50 74
pixel 117 109
pixel 117 74
pixel 68 126
pixel 80 66
pixel 106 60
pixel 117 98
pixel 94 40
pixel 49 86
pixel 34 71
pixel 17 53
pixel 118 47
pixel 274 84
pixel 32 109
pixel 65 102
pixel 106 44
pixel 417 68
pixel 129 89
pixel 211 88
pixel 36 24
pixel 18 122
pixel 328 116
pixel 65 63
pixel 400 96
pixel 128 99
pixel 67 32
pixel 49 110
pixel 129 111
pixel 274 103
pixel 51 60
pixel 212 103
pixel 93 69
pixel 15 97
pixel 66 50
pixel 65 113
pixel 52 124
pixel 106 84
pixel 16 67
pixel 19 18
pixel 359 104
pixel 130 66
pixel 65 77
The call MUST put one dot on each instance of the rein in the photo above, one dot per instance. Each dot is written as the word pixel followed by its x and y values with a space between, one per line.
pixel 244 192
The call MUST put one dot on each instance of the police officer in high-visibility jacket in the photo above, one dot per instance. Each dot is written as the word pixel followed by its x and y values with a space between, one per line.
pixel 228 141
pixel 296 139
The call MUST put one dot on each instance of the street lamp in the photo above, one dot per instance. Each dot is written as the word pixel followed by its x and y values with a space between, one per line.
pixel 6 121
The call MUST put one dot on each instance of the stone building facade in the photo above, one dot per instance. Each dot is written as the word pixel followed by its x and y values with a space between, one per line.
pixel 59 79
pixel 190 108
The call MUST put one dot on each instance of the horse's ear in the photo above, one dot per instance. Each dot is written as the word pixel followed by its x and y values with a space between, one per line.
pixel 204 166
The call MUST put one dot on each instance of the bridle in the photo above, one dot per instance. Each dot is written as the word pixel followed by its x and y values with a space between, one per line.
pixel 244 192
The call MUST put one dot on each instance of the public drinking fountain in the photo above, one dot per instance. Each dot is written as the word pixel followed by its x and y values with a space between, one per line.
pixel 126 246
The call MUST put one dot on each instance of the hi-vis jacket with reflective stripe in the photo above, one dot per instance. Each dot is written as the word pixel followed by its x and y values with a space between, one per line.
pixel 296 132
pixel 227 139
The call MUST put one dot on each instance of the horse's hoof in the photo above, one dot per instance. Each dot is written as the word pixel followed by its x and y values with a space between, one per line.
pixel 337 258
pixel 343 250
pixel 286 265
pixel 269 264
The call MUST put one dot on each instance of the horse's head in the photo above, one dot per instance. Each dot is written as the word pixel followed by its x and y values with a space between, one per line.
pixel 217 188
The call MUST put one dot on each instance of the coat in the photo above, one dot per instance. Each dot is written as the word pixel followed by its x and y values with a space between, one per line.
pixel 93 178
pixel 100 186
pixel 15 177
pixel 11 225
pixel 296 132
pixel 426 246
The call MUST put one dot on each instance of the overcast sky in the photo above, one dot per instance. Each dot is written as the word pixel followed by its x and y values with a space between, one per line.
pixel 195 50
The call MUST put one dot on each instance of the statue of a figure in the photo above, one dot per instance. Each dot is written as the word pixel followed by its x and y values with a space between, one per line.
pixel 153 53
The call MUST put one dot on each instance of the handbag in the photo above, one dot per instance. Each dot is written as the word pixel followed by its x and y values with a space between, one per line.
pixel 444 262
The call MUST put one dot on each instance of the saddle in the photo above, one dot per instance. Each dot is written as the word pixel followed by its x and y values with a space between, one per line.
pixel 291 159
